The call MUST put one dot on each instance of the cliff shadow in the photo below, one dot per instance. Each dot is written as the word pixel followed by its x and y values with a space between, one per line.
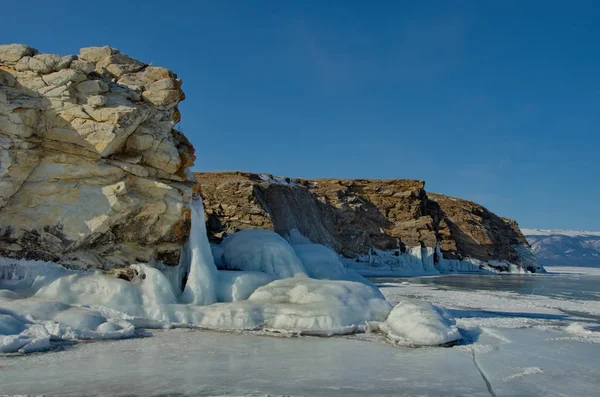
pixel 350 228
pixel 500 235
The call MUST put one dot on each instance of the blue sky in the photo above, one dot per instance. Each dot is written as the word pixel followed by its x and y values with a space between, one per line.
pixel 493 101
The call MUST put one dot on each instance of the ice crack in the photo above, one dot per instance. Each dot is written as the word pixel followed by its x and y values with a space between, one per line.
pixel 485 378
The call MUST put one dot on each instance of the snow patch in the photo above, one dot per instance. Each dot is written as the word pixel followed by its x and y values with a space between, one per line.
pixel 278 180
pixel 526 372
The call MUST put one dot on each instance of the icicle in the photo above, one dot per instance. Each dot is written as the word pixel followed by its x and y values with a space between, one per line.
pixel 200 288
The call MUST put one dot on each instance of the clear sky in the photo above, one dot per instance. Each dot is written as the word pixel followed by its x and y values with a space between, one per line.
pixel 493 101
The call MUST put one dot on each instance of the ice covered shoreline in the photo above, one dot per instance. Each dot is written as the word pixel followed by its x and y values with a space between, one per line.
pixel 300 289
pixel 524 345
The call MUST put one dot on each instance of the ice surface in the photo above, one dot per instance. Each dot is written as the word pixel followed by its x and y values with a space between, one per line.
pixel 418 323
pixel 261 251
pixel 492 301
pixel 515 344
pixel 202 363
pixel 574 270
pixel 533 362
pixel 194 363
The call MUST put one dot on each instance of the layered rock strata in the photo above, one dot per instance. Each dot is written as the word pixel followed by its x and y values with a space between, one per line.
pixel 357 216
pixel 92 171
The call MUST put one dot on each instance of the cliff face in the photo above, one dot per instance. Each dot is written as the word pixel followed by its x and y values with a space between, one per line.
pixel 467 229
pixel 92 172
pixel 354 216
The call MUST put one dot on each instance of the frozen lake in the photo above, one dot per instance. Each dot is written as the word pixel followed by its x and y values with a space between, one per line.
pixel 524 336
pixel 559 283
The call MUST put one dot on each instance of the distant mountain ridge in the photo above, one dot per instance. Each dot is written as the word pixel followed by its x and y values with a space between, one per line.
pixel 557 247
pixel 559 232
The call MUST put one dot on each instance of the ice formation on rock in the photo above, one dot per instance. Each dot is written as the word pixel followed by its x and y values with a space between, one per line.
pixel 302 289
pixel 200 288
pixel 262 251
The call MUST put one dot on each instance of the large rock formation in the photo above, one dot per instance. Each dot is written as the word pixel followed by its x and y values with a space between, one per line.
pixel 467 229
pixel 92 172
pixel 353 216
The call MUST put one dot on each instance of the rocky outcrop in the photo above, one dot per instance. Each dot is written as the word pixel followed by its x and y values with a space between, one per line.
pixel 92 171
pixel 467 229
pixel 353 216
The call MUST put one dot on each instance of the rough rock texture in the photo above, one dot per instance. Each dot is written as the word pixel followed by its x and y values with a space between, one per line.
pixel 92 172
pixel 354 215
pixel 468 229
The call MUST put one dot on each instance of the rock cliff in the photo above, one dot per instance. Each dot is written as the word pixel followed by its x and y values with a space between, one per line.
pixel 357 216
pixel 92 171
pixel 94 174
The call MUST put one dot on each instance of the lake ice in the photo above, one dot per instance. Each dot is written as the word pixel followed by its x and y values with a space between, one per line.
pixel 510 335
pixel 524 344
